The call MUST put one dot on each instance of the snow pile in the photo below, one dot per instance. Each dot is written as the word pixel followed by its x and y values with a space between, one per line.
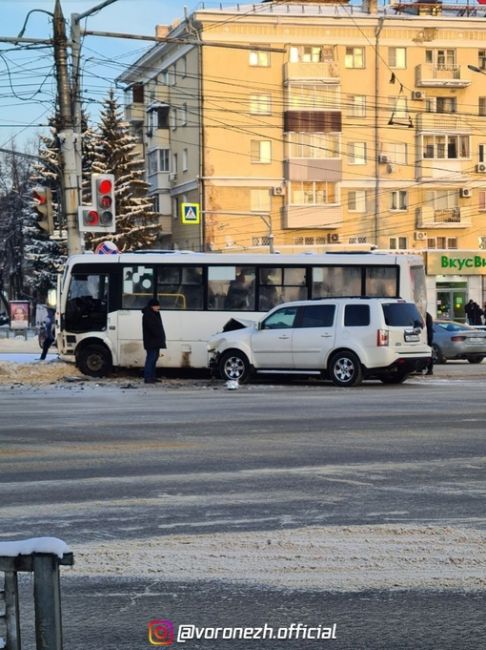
pixel 41 372
pixel 34 545
pixel 351 558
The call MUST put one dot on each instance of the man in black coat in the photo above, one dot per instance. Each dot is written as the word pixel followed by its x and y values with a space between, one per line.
pixel 153 338
pixel 429 324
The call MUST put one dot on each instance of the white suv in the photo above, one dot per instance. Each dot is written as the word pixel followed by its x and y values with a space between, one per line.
pixel 346 339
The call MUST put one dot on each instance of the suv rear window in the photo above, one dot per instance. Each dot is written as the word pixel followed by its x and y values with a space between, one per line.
pixel 402 314
pixel 356 315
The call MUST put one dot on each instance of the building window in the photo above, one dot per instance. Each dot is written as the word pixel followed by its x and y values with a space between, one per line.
pixel 482 152
pixel 183 115
pixel 312 193
pixel 137 90
pixel 174 163
pixel 357 201
pixel 442 243
pixel 396 152
pixel 397 57
pixel 260 200
pixel 173 118
pixel 259 58
pixel 260 104
pixel 183 67
pixel 152 162
pixel 310 54
pixel 482 200
pixel 442 59
pixel 482 106
pixel 172 75
pixel 398 200
pixel 356 106
pixel 354 57
pixel 155 203
pixel 482 59
pixel 445 146
pixel 442 199
pixel 164 165
pixel 398 243
pixel 441 105
pixel 309 97
pixel 313 145
pixel 162 117
pixel 261 151
pixel 185 160
pixel 357 153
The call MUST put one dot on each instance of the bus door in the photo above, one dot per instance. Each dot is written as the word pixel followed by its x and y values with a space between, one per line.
pixel 87 303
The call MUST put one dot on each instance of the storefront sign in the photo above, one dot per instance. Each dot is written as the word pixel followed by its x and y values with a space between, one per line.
pixel 456 263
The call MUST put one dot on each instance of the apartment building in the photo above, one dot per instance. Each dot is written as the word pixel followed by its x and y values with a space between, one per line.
pixel 320 126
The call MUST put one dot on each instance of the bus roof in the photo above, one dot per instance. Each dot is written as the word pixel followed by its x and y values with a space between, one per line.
pixel 242 259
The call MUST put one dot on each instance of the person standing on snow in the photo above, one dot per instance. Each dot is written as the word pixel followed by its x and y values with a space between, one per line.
pixel 153 338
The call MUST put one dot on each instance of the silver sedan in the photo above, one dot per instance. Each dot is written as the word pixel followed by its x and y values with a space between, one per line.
pixel 454 340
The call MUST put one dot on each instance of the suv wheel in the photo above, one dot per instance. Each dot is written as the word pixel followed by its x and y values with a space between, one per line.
pixel 234 365
pixel 476 358
pixel 345 369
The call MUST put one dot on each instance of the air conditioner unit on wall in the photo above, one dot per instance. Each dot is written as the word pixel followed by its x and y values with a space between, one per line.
pixel 481 168
pixel 278 190
pixel 465 193
pixel 383 158
pixel 420 235
pixel 418 95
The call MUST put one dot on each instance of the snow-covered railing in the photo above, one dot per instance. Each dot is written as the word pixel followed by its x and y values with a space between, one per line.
pixel 42 556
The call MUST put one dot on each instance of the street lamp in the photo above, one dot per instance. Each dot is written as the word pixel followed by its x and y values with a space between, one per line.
pixel 475 68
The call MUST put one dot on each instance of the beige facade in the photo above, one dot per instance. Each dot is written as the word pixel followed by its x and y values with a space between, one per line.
pixel 316 126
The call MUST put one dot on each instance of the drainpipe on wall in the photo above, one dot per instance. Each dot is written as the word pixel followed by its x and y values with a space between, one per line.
pixel 195 31
pixel 378 29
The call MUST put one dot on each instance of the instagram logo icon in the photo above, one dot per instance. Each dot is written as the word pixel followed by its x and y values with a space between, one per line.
pixel 161 632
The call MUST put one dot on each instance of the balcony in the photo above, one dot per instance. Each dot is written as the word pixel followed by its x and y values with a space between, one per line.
pixel 428 75
pixel 325 72
pixel 134 112
pixel 443 123
pixel 428 217
pixel 312 216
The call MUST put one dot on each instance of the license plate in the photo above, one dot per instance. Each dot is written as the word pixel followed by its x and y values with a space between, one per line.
pixel 411 337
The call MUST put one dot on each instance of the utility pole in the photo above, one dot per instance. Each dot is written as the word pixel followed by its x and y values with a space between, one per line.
pixel 66 133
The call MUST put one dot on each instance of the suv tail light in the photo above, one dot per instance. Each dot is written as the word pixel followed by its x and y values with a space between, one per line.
pixel 382 338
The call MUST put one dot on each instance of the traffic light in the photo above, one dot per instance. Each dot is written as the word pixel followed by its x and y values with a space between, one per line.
pixel 99 217
pixel 42 197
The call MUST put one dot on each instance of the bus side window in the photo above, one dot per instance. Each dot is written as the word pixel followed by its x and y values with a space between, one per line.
pixel 138 286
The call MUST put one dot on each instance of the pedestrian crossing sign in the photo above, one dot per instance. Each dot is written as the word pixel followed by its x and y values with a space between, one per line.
pixel 190 213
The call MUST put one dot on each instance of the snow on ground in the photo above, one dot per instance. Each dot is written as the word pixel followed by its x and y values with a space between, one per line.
pixel 25 370
pixel 350 558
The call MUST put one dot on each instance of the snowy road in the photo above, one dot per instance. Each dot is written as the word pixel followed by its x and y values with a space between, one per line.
pixel 289 488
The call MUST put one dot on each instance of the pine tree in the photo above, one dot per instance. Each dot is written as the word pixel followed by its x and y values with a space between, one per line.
pixel 116 153
pixel 44 255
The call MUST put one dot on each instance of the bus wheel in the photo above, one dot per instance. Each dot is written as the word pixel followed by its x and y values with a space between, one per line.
pixel 345 369
pixel 94 360
pixel 234 365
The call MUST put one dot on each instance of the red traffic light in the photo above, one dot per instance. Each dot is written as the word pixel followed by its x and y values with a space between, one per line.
pixel 91 218
pixel 39 197
pixel 105 186
pixel 105 201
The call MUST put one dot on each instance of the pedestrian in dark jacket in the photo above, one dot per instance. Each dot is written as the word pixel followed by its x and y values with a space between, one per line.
pixel 50 334
pixel 153 338
pixel 429 324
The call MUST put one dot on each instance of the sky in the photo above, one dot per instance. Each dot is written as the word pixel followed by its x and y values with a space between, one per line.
pixel 27 84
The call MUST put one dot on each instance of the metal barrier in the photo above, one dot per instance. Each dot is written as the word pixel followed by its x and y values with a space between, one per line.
pixel 47 594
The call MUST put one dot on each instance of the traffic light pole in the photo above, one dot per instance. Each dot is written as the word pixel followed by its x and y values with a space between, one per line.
pixel 66 134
